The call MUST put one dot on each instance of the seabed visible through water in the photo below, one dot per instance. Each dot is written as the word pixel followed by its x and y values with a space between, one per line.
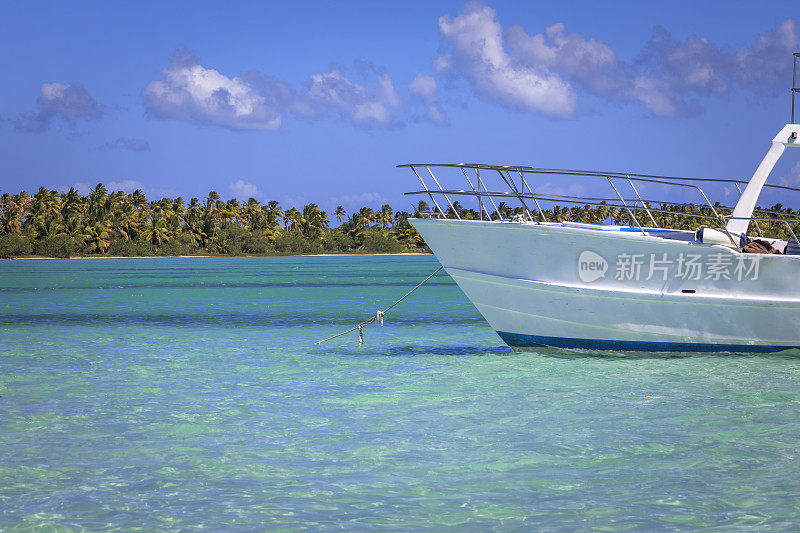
pixel 181 393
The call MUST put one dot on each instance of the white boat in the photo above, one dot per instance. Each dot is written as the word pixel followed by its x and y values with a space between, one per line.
pixel 639 287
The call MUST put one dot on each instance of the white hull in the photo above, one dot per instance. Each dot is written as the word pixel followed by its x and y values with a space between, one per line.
pixel 545 285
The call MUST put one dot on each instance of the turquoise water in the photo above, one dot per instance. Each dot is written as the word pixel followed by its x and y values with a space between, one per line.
pixel 171 394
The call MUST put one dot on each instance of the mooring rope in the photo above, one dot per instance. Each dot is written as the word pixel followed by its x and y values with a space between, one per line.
pixel 378 315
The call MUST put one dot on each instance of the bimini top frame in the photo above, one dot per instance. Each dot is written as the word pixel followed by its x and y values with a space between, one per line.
pixel 518 183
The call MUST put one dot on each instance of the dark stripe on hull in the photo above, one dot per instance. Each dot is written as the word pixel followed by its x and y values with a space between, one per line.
pixel 516 340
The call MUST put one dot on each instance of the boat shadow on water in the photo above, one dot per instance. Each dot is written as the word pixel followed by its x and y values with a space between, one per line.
pixel 566 353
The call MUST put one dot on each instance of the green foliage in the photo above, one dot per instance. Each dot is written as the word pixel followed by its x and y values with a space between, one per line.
pixel 14 246
pixel 380 243
pixel 231 240
pixel 137 248
pixel 58 246
pixel 313 247
pixel 257 245
pixel 290 242
pixel 405 233
pixel 236 240
pixel 337 241
pixel 113 222
pixel 106 222
pixel 175 247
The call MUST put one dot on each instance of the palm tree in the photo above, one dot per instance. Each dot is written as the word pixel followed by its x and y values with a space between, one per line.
pixel 198 236
pixel 367 215
pixel 193 213
pixel 340 213
pixel 156 231
pixel 354 227
pixel 71 203
pixel 212 197
pixel 125 221
pixel 10 222
pixel 45 203
pixel 97 199
pixel 407 234
pixel 46 227
pixel 229 212
pixel 178 214
pixel 292 218
pixel 210 212
pixel 400 216
pixel 251 212
pixel 96 237
pixel 455 209
pixel 100 217
pixel 273 212
pixel 505 211
pixel 384 216
pixel 313 221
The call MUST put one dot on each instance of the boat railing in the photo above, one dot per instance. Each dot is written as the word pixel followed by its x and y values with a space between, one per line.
pixel 516 184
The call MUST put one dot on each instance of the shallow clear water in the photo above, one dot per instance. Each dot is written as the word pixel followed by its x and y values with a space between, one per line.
pixel 180 393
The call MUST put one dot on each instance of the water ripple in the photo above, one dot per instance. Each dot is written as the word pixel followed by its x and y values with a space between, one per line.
pixel 136 398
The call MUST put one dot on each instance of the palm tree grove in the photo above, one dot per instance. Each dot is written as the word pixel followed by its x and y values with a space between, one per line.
pixel 104 223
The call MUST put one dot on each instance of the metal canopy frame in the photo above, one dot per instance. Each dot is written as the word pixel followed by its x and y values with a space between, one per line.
pixel 523 191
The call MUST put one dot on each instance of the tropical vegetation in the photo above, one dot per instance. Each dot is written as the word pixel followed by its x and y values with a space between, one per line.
pixel 102 222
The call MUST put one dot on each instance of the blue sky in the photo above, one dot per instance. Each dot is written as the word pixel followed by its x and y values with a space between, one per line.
pixel 318 101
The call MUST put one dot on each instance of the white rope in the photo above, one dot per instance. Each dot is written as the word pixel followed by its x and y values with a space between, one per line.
pixel 378 315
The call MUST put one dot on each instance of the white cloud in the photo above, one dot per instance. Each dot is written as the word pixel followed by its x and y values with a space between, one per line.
pixel 792 179
pixel 333 90
pixel 244 190
pixel 436 115
pixel 190 92
pixel 59 100
pixel 655 95
pixel 539 72
pixel 675 74
pixel 477 53
pixel 590 62
pixel 423 87
pixel 765 62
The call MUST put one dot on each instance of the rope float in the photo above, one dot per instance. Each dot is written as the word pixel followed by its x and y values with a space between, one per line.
pixel 378 315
